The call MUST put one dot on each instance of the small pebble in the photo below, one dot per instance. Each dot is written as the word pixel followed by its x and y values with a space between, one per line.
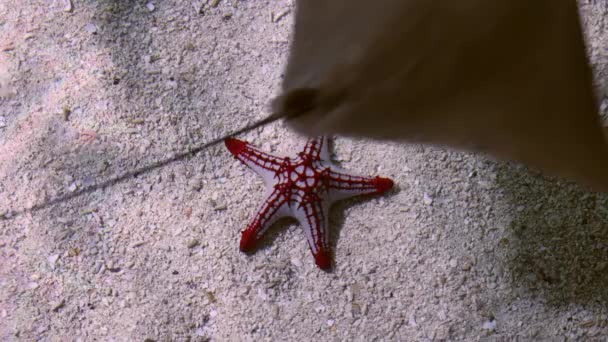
pixel 217 206
pixel 427 199
pixel 87 211
pixel 296 262
pixel 136 121
pixel 349 295
pixel 275 310
pixel 91 28
pixel 281 15
pixel 97 268
pixel 68 6
pixel 72 187
pixel 150 6
pixel 171 84
pixel 412 320
pixel 53 259
pixel 489 325
pixel 74 252
pixel 193 243
pixel 56 307
pixel 137 244
pixel 2 122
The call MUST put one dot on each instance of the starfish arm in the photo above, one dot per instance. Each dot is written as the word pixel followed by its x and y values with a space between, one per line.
pixel 274 208
pixel 342 185
pixel 261 162
pixel 316 148
pixel 314 219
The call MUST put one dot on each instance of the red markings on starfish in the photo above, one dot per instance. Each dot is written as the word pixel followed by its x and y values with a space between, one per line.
pixel 235 146
pixel 303 187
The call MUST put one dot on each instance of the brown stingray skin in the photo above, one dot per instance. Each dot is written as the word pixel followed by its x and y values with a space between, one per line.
pixel 507 78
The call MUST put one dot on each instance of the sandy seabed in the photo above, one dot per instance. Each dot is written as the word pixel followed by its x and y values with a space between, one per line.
pixel 466 249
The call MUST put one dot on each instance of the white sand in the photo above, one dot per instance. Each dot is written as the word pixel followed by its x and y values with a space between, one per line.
pixel 466 249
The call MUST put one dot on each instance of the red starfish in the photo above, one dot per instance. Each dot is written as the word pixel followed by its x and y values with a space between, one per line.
pixel 303 187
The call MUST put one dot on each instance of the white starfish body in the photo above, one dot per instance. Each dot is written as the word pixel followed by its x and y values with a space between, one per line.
pixel 303 187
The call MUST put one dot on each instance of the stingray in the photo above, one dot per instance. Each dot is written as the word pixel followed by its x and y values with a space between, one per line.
pixel 508 78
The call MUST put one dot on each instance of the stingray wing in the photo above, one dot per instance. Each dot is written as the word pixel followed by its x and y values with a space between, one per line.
pixel 507 77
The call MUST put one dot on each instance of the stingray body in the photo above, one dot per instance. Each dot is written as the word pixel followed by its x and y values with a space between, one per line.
pixel 507 78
